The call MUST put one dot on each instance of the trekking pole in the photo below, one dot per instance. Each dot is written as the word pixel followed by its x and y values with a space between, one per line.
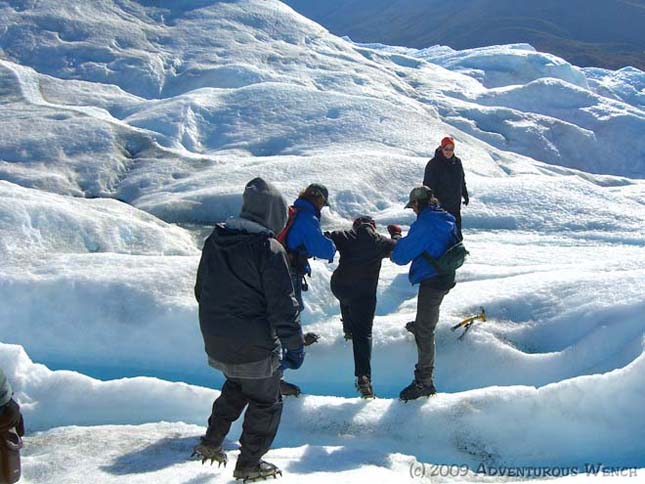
pixel 468 322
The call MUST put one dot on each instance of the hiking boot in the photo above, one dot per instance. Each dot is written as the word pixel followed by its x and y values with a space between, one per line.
pixel 364 387
pixel 410 326
pixel 261 470
pixel 289 389
pixel 415 390
pixel 311 338
pixel 207 451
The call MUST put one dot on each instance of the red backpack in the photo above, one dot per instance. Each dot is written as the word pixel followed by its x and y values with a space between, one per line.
pixel 282 236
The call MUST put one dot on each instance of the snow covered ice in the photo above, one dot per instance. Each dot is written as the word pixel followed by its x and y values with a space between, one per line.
pixel 129 128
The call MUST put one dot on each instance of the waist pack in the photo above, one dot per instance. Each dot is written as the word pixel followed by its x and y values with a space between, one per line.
pixel 450 261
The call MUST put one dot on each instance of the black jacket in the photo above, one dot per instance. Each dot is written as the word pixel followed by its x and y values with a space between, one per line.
pixel 246 303
pixel 361 252
pixel 447 180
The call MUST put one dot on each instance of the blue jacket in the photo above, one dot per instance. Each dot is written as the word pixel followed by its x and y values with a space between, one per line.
pixel 434 231
pixel 305 235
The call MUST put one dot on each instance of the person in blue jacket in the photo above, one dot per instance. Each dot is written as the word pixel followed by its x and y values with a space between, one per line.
pixel 433 232
pixel 305 238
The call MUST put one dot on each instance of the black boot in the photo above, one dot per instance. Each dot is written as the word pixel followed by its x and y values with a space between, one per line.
pixel 364 387
pixel 289 389
pixel 262 470
pixel 417 389
pixel 208 451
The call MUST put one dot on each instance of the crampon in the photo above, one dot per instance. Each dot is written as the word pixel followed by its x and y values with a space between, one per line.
pixel 204 452
pixel 289 389
pixel 261 471
pixel 364 387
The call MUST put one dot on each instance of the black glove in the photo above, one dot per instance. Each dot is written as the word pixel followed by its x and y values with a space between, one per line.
pixel 293 359
pixel 10 418
pixel 394 231
pixel 466 199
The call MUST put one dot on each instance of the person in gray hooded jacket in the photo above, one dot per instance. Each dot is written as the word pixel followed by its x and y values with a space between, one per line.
pixel 248 317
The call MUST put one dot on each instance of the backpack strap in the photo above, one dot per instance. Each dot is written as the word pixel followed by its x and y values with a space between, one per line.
pixel 282 236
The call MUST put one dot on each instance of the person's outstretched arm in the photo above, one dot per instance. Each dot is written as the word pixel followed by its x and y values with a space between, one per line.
pixel 409 247
pixel 316 243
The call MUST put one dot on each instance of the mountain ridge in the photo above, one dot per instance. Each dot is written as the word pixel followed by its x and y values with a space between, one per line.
pixel 575 30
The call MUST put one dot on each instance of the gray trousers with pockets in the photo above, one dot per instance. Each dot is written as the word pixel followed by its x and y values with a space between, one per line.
pixel 428 304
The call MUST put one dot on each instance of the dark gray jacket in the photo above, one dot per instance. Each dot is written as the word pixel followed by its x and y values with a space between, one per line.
pixel 247 307
pixel 446 178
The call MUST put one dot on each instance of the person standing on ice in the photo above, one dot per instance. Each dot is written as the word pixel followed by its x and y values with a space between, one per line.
pixel 248 316
pixel 354 284
pixel 433 232
pixel 444 174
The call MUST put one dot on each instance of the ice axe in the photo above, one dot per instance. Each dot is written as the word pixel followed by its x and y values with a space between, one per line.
pixel 468 322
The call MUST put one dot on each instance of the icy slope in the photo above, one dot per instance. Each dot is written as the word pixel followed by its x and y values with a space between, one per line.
pixel 39 223
pixel 538 105
pixel 312 92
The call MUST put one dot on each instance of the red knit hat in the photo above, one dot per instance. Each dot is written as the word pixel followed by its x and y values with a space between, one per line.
pixel 448 140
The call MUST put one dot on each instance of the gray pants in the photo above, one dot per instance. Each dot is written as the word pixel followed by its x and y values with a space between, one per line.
pixel 428 304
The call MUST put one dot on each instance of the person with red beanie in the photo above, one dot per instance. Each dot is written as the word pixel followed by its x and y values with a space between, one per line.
pixel 444 174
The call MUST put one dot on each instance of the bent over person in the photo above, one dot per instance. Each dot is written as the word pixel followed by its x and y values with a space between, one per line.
pixel 305 238
pixel 248 316
pixel 354 283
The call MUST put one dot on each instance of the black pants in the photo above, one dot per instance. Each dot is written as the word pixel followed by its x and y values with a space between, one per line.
pixel 358 319
pixel 357 306
pixel 456 212
pixel 261 420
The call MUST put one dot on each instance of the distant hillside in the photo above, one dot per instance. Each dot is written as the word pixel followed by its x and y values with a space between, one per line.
pixel 603 33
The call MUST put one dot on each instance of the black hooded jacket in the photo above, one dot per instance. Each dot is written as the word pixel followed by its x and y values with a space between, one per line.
pixel 447 180
pixel 361 252
pixel 247 308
